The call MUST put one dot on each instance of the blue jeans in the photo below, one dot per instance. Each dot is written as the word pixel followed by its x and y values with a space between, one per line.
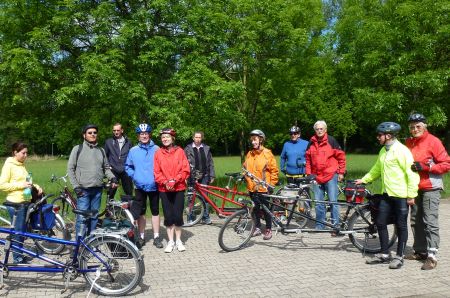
pixel 20 225
pixel 331 187
pixel 89 200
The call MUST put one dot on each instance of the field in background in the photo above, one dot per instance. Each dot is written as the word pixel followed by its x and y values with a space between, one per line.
pixel 357 166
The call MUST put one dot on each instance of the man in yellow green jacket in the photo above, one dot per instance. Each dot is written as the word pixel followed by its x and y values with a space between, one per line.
pixel 399 188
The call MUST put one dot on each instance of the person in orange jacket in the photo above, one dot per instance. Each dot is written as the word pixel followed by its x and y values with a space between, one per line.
pixel 262 164
pixel 171 170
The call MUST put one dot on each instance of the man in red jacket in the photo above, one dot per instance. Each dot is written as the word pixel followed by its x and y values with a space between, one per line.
pixel 326 160
pixel 431 161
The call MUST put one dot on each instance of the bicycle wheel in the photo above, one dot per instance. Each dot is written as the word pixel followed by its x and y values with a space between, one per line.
pixel 194 210
pixel 58 231
pixel 365 237
pixel 66 212
pixel 127 265
pixel 236 231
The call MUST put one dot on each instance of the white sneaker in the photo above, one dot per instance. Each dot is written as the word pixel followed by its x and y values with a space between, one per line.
pixel 180 246
pixel 170 246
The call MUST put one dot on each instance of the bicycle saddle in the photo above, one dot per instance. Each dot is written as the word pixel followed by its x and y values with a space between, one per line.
pixel 86 213
pixel 16 205
pixel 307 179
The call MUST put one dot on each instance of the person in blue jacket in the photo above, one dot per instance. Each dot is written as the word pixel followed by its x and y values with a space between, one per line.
pixel 292 159
pixel 139 166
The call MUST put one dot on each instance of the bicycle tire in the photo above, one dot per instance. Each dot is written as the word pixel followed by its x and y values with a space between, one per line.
pixel 365 238
pixel 66 212
pixel 236 231
pixel 194 210
pixel 127 265
pixel 58 231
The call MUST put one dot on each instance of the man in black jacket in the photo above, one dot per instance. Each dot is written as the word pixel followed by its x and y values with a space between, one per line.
pixel 116 149
pixel 202 166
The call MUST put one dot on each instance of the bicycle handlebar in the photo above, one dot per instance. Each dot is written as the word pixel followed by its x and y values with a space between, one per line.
pixel 257 180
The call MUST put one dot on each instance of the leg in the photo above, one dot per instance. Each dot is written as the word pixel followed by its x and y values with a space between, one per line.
pixel 431 221
pixel 154 207
pixel 83 203
pixel 256 210
pixel 127 184
pixel 401 222
pixel 21 226
pixel 178 212
pixel 138 209
pixel 332 190
pixel 418 227
pixel 112 191
pixel 205 218
pixel 95 201
pixel 319 194
pixel 381 222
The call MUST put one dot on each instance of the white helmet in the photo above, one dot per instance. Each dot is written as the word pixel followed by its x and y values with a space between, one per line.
pixel 259 133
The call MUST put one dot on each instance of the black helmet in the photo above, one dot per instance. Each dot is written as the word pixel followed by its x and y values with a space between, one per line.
pixel 417 117
pixel 89 126
pixel 294 129
pixel 259 133
pixel 389 128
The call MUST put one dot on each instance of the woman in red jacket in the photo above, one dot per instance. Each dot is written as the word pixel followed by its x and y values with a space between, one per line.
pixel 171 171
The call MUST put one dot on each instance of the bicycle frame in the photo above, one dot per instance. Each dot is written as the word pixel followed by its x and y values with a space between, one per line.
pixel 57 266
pixel 222 193
pixel 291 212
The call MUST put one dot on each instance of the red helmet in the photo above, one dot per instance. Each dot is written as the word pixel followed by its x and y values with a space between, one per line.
pixel 169 131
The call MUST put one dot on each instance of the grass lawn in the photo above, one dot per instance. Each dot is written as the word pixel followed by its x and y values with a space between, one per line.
pixel 42 169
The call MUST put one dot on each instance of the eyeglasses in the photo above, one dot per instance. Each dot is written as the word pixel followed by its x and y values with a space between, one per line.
pixel 116 130
pixel 91 133
pixel 295 134
pixel 319 128
pixel 417 126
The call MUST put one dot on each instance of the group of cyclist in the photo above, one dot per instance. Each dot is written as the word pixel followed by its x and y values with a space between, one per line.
pixel 411 175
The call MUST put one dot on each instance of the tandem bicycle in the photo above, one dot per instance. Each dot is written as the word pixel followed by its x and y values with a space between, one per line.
pixel 357 221
pixel 111 264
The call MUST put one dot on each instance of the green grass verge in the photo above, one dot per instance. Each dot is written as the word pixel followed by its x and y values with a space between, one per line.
pixel 357 166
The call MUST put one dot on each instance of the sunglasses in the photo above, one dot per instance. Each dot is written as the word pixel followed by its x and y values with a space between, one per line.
pixel 91 133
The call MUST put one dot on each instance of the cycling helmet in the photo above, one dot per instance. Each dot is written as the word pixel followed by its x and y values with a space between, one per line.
pixel 89 126
pixel 417 117
pixel 143 127
pixel 389 128
pixel 259 133
pixel 169 131
pixel 294 129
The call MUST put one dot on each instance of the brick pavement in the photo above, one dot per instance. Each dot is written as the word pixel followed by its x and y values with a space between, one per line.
pixel 307 265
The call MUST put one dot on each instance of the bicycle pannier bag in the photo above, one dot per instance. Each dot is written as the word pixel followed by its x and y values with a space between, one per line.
pixel 43 218
pixel 359 191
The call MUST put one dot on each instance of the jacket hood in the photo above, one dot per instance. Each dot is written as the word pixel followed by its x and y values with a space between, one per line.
pixel 315 139
pixel 146 146
pixel 14 161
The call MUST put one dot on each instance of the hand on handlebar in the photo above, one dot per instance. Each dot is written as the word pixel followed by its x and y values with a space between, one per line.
pixel 358 181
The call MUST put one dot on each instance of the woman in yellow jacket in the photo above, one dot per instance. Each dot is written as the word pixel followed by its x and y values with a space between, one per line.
pixel 261 163
pixel 13 180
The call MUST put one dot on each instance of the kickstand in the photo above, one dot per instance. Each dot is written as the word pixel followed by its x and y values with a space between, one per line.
pixel 1 277
pixel 366 237
pixel 97 275
pixel 66 284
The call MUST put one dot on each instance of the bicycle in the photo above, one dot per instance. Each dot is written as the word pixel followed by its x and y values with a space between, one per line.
pixel 359 226
pixel 111 264
pixel 59 230
pixel 198 194
pixel 115 210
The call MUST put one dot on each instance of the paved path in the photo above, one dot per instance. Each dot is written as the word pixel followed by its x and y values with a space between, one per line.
pixel 307 265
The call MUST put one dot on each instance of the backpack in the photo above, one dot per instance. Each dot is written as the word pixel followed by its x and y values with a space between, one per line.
pixel 80 148
pixel 43 218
